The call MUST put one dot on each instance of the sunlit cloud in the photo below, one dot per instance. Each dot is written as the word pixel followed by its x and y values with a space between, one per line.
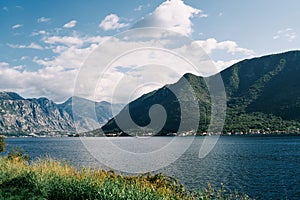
pixel 174 15
pixel 288 34
pixel 30 46
pixel 16 26
pixel 231 47
pixel 43 20
pixel 70 24
pixel 111 22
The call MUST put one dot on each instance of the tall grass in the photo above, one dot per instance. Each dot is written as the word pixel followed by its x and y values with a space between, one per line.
pixel 50 179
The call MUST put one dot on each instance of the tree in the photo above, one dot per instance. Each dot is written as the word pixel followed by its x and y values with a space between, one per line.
pixel 18 154
pixel 2 144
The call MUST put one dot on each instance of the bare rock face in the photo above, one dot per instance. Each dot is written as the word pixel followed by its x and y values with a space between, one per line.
pixel 19 116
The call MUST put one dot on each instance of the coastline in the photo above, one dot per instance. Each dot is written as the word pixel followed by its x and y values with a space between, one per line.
pixel 198 135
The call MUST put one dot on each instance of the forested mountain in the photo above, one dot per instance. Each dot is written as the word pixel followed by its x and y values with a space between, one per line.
pixel 262 93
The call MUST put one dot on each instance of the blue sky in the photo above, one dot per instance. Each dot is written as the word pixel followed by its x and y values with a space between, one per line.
pixel 44 43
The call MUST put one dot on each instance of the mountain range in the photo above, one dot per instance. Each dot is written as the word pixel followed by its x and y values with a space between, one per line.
pixel 41 116
pixel 262 94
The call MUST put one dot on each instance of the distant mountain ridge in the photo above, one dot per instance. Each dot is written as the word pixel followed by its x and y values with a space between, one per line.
pixel 20 116
pixel 88 115
pixel 262 93
pixel 10 96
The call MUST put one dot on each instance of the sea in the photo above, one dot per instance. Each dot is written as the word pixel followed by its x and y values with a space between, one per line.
pixel 263 167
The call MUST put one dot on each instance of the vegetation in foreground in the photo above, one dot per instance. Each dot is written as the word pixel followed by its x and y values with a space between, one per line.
pixel 49 179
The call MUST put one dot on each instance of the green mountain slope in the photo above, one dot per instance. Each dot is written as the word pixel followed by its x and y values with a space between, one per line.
pixel 165 97
pixel 262 93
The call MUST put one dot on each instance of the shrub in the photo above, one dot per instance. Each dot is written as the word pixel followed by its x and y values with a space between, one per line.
pixel 18 154
pixel 2 144
pixel 49 179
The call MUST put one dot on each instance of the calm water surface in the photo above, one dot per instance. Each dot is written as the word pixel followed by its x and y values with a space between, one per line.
pixel 264 167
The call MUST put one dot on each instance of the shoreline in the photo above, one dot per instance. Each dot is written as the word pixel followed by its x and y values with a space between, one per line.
pixel 157 136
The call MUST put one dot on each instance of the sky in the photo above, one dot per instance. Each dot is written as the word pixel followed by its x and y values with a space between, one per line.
pixel 44 44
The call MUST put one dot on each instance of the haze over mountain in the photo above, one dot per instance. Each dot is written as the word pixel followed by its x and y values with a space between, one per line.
pixel 262 93
pixel 87 114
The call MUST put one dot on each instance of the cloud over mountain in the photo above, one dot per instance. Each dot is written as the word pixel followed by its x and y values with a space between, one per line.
pixel 52 70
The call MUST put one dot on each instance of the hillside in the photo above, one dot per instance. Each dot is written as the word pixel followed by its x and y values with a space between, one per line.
pixel 165 97
pixel 262 93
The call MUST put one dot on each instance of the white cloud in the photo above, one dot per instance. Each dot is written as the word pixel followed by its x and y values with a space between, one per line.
pixel 174 15
pixel 139 8
pixel 231 47
pixel 73 40
pixel 66 40
pixel 71 50
pixel 70 24
pixel 30 46
pixel 16 26
pixel 140 67
pixel 41 32
pixel 4 64
pixel 5 8
pixel 44 82
pixel 43 19
pixel 34 46
pixel 57 75
pixel 221 64
pixel 111 22
pixel 95 39
pixel 68 57
pixel 24 58
pixel 289 34
pixel 19 67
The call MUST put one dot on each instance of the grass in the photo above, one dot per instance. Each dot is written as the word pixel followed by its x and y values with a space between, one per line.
pixel 50 179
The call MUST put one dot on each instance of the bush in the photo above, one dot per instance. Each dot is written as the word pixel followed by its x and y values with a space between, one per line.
pixel 18 154
pixel 49 179
pixel 2 144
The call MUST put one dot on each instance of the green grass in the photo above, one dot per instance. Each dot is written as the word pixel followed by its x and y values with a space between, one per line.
pixel 49 179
